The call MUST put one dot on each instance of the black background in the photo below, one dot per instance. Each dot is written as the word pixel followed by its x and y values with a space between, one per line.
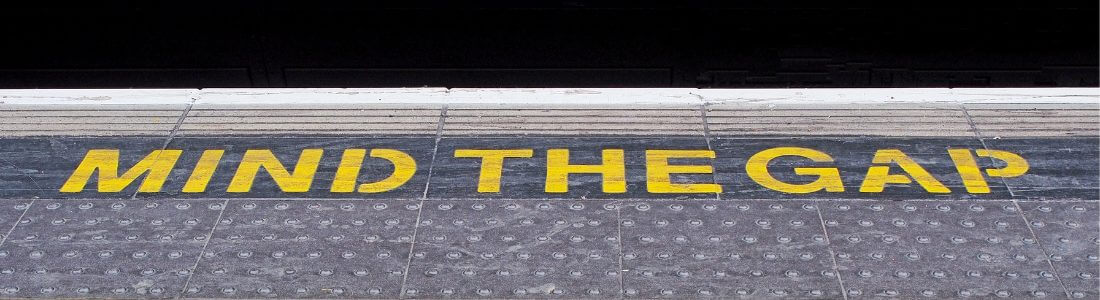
pixel 734 44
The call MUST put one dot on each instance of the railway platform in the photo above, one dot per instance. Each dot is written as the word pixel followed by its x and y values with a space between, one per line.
pixel 550 193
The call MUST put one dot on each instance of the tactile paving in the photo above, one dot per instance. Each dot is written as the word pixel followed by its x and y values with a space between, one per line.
pixel 10 212
pixel 1070 234
pixel 937 249
pixel 516 249
pixel 725 249
pixel 105 248
pixel 307 249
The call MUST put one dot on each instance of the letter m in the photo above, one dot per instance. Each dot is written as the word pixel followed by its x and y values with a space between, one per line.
pixel 158 164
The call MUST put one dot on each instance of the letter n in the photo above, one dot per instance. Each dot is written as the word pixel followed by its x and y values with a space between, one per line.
pixel 297 181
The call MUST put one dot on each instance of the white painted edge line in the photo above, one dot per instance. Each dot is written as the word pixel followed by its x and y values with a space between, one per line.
pixel 96 97
pixel 554 96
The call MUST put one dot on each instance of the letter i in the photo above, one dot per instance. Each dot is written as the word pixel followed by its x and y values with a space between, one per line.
pixel 204 170
pixel 348 171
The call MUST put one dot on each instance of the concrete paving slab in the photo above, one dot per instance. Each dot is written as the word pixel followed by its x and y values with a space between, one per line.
pixel 10 212
pixel 1070 234
pixel 105 248
pixel 938 249
pixel 307 249
pixel 516 249
pixel 725 249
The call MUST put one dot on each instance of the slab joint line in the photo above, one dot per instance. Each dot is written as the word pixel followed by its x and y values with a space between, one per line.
pixel 17 220
pixel 706 138
pixel 172 133
pixel 31 178
pixel 209 237
pixel 1019 210
pixel 1039 242
pixel 420 204
pixel 435 148
pixel 179 122
pixel 619 229
pixel 412 247
pixel 706 127
pixel 981 139
pixel 829 246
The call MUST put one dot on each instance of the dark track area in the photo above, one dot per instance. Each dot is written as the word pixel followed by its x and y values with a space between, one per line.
pixel 738 44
